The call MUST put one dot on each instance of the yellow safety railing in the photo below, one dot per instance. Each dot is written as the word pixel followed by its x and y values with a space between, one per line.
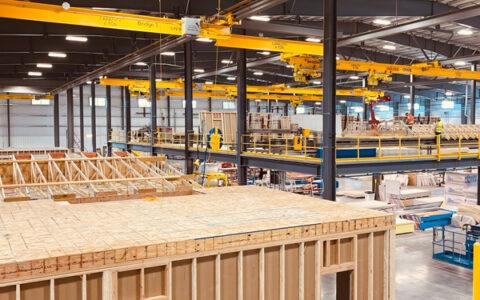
pixel 476 272
pixel 358 148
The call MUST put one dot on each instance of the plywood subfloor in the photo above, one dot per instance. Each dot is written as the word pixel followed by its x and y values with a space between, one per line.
pixel 41 229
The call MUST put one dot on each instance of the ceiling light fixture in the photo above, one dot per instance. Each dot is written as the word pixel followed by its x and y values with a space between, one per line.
pixel 448 93
pixel 258 73
pixel 88 82
pixel 204 40
pixel 168 53
pixel 265 53
pixel 354 77
pixel 260 18
pixel 316 82
pixel 227 61
pixel 44 66
pixel 465 31
pixel 389 47
pixel 460 63
pixel 231 78
pixel 382 22
pixel 313 40
pixel 258 100
pixel 290 66
pixel 76 38
pixel 318 103
pixel 57 54
pixel 199 70
pixel 141 64
pixel 343 101
pixel 208 82
pixel 34 73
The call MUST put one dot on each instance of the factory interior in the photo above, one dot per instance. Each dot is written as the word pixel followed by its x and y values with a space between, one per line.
pixel 239 150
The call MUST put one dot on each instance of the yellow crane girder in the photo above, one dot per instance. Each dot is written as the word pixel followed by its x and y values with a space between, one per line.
pixel 272 92
pixel 8 96
pixel 218 31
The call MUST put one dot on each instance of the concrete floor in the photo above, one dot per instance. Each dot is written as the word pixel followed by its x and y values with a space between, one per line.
pixel 418 276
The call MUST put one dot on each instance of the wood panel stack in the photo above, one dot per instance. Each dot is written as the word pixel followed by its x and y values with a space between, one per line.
pixel 87 177
pixel 229 243
pixel 460 189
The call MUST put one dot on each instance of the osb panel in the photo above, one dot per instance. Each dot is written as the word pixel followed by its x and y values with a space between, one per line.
pixel 272 273
pixel 229 276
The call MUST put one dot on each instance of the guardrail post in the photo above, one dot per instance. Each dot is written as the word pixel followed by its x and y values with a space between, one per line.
pixel 476 272
pixel 438 141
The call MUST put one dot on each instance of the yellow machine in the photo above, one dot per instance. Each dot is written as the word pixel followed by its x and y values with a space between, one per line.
pixel 220 178
pixel 298 139
pixel 215 139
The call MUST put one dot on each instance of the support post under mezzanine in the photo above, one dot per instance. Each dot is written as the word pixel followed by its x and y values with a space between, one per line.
pixel 412 96
pixel 473 107
pixel 329 101
pixel 9 125
pixel 128 116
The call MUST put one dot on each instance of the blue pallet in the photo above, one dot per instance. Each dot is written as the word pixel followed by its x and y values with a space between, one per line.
pixel 352 153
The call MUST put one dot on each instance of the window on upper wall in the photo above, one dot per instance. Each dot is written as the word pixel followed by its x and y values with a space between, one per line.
pixel 144 103
pixel 447 104
pixel 300 110
pixel 99 101
pixel 229 105
pixel 194 103
pixel 40 102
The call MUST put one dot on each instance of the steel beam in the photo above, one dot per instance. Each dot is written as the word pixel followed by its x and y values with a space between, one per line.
pixel 56 120
pixel 128 115
pixel 82 124
pixel 241 114
pixel 188 105
pixel 70 123
pixel 473 108
pixel 412 96
pixel 130 59
pixel 209 104
pixel 9 125
pixel 168 111
pixel 93 116
pixel 153 101
pixel 329 100
pixel 428 108
pixel 108 117
pixel 122 107
pixel 443 18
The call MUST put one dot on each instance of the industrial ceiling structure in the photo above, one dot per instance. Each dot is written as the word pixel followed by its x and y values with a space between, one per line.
pixel 452 40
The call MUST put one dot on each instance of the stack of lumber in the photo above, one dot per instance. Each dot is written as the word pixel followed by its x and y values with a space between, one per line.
pixel 421 179
pixel 87 177
pixel 252 241
pixel 225 121
pixel 118 135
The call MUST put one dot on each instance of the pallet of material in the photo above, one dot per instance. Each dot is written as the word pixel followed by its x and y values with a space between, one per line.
pixel 228 243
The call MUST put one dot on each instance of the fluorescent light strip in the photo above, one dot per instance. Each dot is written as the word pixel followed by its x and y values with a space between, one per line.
pixel 44 66
pixel 34 73
pixel 57 54
pixel 76 38
pixel 260 18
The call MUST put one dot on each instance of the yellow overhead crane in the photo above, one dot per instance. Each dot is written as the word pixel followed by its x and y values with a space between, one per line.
pixel 306 67
pixel 273 92
pixel 304 56
pixel 9 96
pixel 220 31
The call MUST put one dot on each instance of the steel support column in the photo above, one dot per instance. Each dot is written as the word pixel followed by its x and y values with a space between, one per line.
pixel 93 116
pixel 412 96
pixel 396 108
pixel 108 117
pixel 188 106
pixel 168 111
pixel 128 116
pixel 9 125
pixel 329 101
pixel 122 107
pixel 428 108
pixel 56 120
pixel 70 123
pixel 153 109
pixel 82 125
pixel 209 104
pixel 241 113
pixel 473 108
